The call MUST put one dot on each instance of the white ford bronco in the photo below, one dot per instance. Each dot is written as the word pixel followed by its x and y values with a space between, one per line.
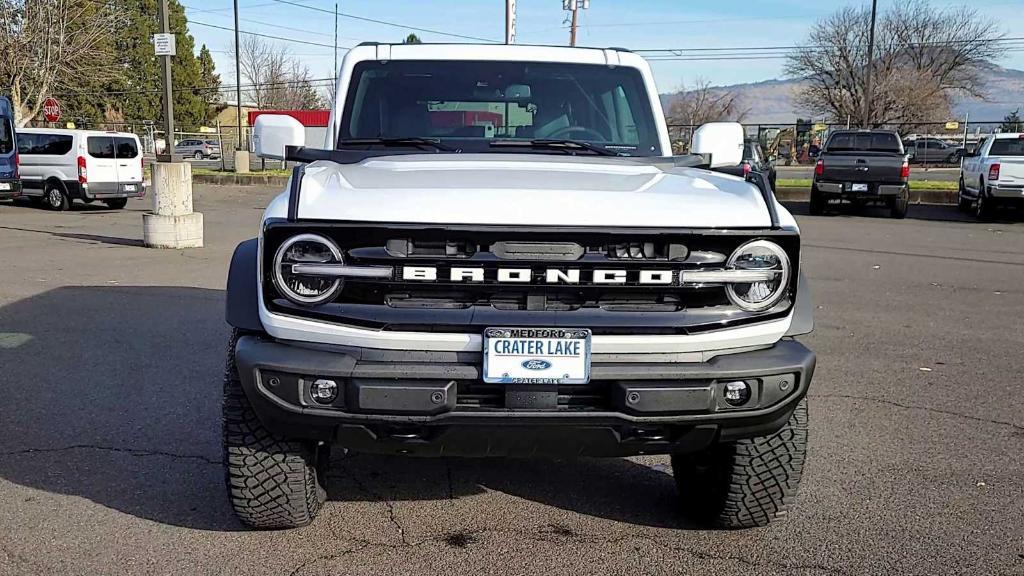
pixel 496 254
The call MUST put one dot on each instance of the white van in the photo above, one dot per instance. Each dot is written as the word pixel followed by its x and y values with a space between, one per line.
pixel 58 166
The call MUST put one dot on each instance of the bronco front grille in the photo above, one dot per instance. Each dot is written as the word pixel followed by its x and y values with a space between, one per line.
pixel 463 279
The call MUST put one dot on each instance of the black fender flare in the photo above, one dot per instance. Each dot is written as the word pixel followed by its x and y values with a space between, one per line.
pixel 803 309
pixel 242 305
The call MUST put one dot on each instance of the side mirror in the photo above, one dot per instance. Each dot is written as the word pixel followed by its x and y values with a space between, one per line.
pixel 722 140
pixel 272 132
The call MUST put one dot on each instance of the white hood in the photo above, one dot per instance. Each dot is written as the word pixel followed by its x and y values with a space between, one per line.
pixel 529 189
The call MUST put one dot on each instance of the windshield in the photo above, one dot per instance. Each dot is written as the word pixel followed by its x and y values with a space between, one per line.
pixel 864 142
pixel 467 105
pixel 1007 147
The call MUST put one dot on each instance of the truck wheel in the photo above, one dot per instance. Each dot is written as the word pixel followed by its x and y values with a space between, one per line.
pixel 899 205
pixel 747 483
pixel 272 482
pixel 55 198
pixel 983 207
pixel 963 203
pixel 116 203
pixel 817 204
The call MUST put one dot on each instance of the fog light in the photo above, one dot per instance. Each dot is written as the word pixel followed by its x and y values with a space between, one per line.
pixel 737 393
pixel 323 391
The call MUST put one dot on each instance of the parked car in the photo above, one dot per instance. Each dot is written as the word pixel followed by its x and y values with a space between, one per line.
pixel 564 287
pixel 59 166
pixel 198 149
pixel 932 151
pixel 10 179
pixel 863 167
pixel 754 160
pixel 993 175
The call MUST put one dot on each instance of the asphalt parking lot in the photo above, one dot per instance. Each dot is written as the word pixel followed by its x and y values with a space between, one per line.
pixel 111 356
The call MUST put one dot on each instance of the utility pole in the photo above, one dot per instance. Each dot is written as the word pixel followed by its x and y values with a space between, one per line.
pixel 241 154
pixel 575 6
pixel 871 66
pixel 168 155
pixel 510 21
pixel 335 75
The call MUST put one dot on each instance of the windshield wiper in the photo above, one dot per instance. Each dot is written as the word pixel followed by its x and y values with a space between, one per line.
pixel 407 141
pixel 569 146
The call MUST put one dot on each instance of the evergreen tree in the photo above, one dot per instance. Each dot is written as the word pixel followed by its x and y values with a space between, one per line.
pixel 1012 122
pixel 208 77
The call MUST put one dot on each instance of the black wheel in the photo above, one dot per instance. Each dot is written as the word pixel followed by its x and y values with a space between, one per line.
pixel 272 482
pixel 199 155
pixel 747 483
pixel 898 207
pixel 984 208
pixel 817 203
pixel 116 203
pixel 963 203
pixel 55 198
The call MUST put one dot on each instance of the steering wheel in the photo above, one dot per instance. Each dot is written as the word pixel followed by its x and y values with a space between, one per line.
pixel 586 133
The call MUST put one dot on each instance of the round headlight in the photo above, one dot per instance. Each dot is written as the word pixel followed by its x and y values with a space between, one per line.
pixel 305 288
pixel 760 255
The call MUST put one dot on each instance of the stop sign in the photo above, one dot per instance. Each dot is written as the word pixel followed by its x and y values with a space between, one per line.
pixel 51 110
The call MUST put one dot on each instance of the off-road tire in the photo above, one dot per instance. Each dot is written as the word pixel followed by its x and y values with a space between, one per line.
pixel 55 198
pixel 116 203
pixel 272 482
pixel 816 206
pixel 747 483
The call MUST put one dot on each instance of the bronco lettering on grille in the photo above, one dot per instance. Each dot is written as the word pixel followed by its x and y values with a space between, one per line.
pixel 546 276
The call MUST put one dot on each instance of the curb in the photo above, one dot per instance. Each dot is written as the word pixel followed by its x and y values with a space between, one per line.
pixel 240 180
pixel 916 196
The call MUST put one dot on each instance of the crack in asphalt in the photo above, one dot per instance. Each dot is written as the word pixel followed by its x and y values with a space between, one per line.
pixel 132 451
pixel 329 557
pixel 924 408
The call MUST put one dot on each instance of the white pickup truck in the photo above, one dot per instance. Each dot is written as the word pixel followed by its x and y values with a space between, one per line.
pixel 993 175
pixel 495 254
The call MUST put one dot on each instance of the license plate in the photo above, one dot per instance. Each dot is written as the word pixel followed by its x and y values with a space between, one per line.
pixel 536 355
pixel 858 187
pixel 129 187
pixel 5 185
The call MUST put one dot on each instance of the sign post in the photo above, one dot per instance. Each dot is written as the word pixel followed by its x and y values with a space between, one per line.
pixel 51 110
pixel 172 223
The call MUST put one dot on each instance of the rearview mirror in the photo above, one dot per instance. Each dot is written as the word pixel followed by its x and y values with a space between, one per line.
pixel 722 140
pixel 272 132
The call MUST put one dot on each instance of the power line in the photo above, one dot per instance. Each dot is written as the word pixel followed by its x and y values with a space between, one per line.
pixel 385 22
pixel 270 36
pixel 1012 39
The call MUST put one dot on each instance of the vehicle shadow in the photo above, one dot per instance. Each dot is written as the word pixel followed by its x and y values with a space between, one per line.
pixel 112 394
pixel 931 212
pixel 115 240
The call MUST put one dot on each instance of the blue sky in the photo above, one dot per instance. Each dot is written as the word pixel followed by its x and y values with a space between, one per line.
pixel 634 24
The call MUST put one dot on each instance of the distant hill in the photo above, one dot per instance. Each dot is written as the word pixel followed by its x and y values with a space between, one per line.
pixel 771 101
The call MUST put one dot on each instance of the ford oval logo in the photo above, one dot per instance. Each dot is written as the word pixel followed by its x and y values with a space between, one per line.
pixel 536 364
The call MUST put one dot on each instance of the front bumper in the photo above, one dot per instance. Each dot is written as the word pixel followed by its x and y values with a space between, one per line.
pixel 435 403
pixel 13 189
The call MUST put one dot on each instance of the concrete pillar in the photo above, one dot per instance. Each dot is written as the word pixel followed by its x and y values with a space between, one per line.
pixel 241 161
pixel 172 224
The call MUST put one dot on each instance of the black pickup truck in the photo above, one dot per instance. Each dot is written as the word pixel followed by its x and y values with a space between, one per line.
pixel 862 167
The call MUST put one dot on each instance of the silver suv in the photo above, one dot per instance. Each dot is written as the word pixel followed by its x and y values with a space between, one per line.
pixel 198 149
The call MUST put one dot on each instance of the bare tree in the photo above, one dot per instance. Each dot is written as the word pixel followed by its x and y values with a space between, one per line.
pixel 699 105
pixel 274 79
pixel 50 44
pixel 923 57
